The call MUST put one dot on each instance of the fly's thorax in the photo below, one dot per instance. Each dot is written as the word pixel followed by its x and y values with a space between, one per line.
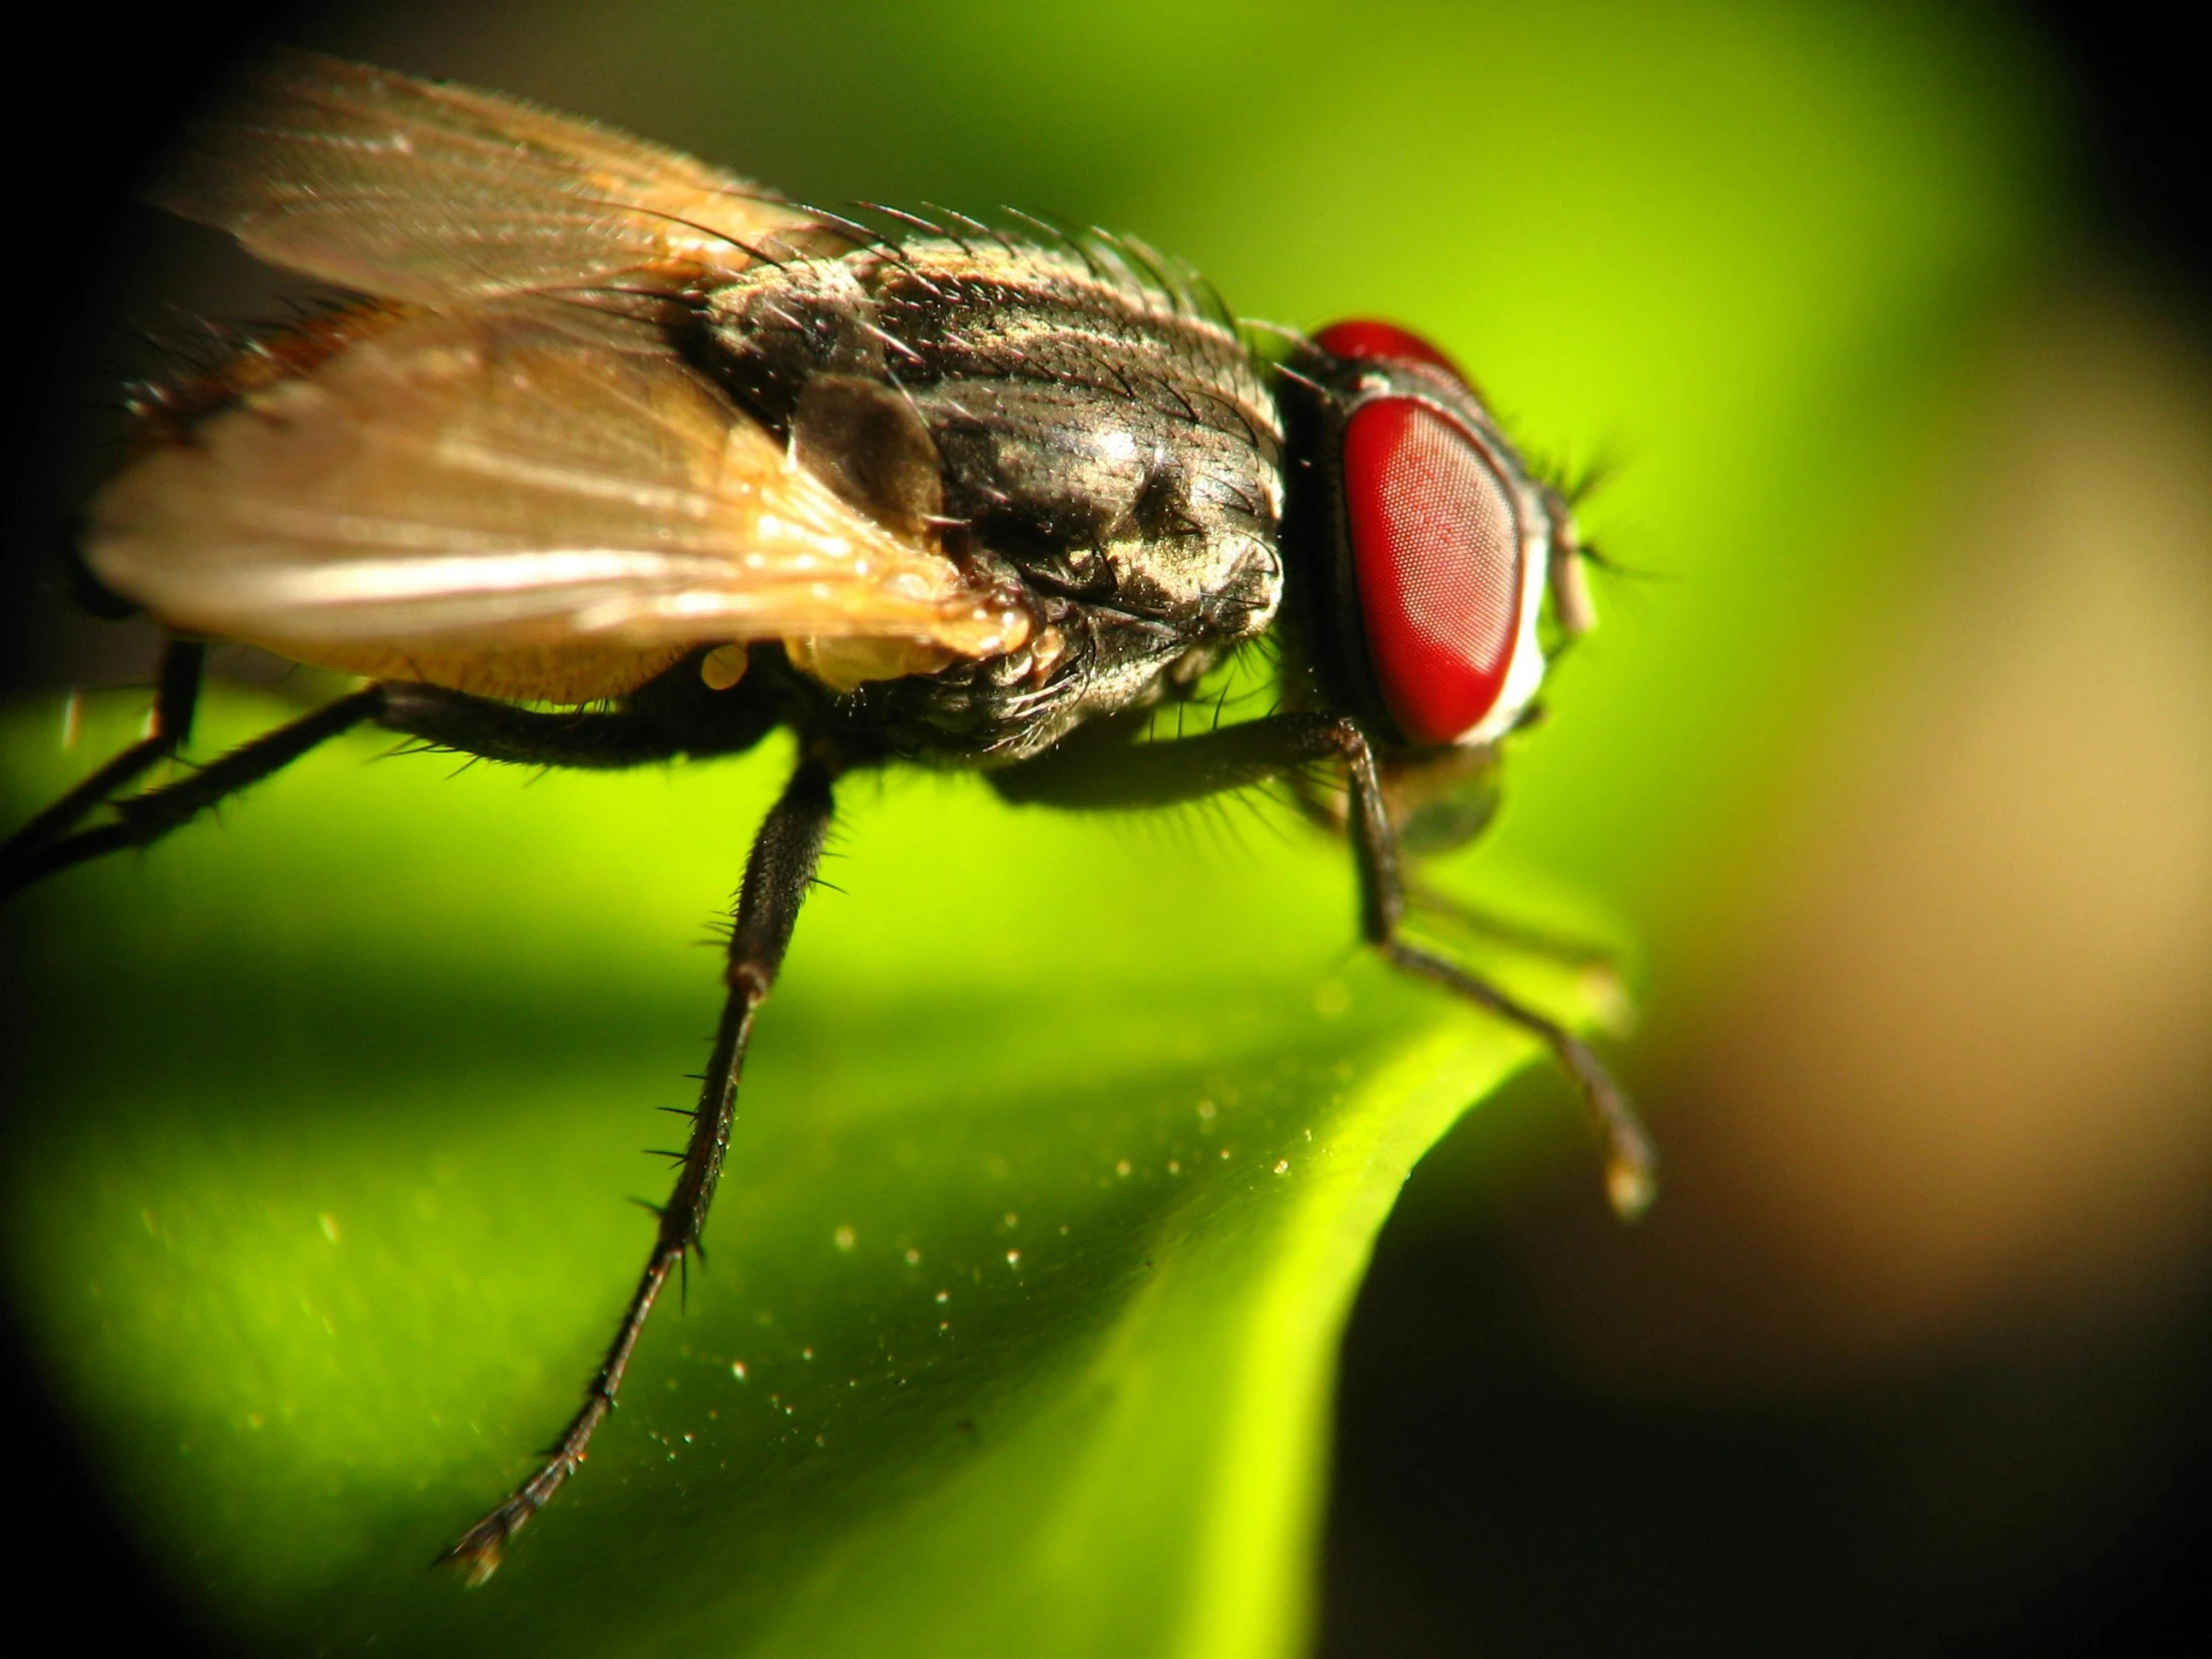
pixel 1096 435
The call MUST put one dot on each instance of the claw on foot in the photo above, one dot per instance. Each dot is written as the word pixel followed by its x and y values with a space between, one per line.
pixel 1631 1185
pixel 476 1554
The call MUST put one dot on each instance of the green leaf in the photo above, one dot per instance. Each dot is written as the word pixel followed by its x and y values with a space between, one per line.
pixel 1060 1152
pixel 1737 245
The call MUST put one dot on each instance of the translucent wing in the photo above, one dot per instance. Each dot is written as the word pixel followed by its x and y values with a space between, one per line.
pixel 491 502
pixel 430 193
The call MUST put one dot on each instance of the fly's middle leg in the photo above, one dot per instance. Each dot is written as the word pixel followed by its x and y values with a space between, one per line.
pixel 778 874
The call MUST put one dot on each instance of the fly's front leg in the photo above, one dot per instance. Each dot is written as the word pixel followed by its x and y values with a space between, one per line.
pixel 777 875
pixel 1631 1163
pixel 1512 932
pixel 1105 775
pixel 1326 811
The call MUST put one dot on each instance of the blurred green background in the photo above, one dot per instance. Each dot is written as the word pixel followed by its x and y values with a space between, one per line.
pixel 1895 753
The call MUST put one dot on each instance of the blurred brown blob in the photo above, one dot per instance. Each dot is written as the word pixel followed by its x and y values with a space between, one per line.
pixel 1956 1081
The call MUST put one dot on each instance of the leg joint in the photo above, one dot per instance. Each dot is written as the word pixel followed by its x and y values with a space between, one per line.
pixel 749 979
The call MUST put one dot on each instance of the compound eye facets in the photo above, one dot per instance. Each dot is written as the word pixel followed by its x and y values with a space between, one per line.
pixel 1436 553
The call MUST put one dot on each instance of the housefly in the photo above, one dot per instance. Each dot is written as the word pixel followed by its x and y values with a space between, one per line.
pixel 617 459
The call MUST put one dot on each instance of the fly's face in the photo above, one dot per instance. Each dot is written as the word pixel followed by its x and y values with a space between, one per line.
pixel 1424 546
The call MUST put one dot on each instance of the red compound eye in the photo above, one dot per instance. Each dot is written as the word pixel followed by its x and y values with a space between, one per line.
pixel 1383 343
pixel 1436 554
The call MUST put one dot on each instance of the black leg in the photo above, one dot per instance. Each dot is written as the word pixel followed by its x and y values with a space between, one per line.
pixel 176 693
pixel 1118 774
pixel 450 719
pixel 1588 954
pixel 777 877
pixel 1098 766
pixel 142 820
pixel 1511 931
pixel 496 731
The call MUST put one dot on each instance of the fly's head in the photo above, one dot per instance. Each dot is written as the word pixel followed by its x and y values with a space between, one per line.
pixel 1419 550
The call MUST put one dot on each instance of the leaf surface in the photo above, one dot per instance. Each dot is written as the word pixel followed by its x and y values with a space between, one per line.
pixel 1060 1152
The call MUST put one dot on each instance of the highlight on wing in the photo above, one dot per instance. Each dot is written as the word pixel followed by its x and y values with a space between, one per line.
pixel 503 478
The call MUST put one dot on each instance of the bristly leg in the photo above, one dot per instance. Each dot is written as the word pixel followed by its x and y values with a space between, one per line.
pixel 143 820
pixel 1631 1161
pixel 1109 775
pixel 454 719
pixel 175 696
pixel 1596 965
pixel 778 874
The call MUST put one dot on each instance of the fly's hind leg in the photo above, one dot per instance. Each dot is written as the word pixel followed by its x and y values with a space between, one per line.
pixel 777 875
pixel 142 820
pixel 169 728
pixel 1104 773
pixel 448 718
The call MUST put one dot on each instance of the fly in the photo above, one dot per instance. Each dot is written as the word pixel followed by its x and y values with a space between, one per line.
pixel 620 458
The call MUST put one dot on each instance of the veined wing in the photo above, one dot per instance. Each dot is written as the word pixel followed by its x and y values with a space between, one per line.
pixel 431 193
pixel 488 501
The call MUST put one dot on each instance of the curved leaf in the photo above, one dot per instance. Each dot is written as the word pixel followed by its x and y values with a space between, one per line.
pixel 1060 1154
